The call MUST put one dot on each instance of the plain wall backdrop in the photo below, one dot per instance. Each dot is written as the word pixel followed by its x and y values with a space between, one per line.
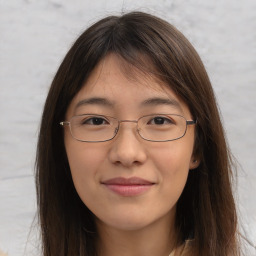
pixel 36 34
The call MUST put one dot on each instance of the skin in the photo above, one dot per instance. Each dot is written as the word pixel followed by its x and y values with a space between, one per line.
pixel 130 225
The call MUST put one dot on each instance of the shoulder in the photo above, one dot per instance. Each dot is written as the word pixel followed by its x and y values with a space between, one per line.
pixel 2 253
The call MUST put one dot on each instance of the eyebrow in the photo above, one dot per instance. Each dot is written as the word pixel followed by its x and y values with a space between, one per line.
pixel 161 101
pixel 95 101
pixel 148 102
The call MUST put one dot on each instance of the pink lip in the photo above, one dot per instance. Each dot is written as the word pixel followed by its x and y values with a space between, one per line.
pixel 128 187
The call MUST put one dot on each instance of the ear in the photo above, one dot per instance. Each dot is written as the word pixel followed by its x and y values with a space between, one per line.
pixel 194 163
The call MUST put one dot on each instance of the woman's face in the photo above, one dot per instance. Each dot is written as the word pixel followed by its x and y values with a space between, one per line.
pixel 127 182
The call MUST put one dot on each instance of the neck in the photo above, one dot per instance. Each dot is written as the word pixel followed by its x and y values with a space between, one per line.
pixel 158 238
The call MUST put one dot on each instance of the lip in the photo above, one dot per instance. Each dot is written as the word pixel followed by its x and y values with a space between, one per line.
pixel 133 186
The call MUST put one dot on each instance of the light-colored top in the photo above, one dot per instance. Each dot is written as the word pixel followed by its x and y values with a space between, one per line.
pixel 2 253
pixel 183 250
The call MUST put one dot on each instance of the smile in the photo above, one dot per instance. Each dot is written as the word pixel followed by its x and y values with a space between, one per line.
pixel 128 187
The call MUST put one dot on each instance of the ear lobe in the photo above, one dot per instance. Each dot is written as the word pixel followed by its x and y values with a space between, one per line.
pixel 194 163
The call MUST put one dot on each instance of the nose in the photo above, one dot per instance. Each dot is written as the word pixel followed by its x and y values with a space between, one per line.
pixel 127 148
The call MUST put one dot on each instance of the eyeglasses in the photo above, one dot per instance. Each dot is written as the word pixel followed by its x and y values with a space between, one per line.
pixel 155 127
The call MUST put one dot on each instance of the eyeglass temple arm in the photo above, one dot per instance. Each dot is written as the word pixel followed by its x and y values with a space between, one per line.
pixel 189 122
pixel 64 123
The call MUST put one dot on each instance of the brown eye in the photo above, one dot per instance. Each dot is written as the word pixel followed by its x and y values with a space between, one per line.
pixel 160 120
pixel 94 121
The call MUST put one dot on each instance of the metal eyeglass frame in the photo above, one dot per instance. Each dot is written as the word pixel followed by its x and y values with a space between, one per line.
pixel 188 122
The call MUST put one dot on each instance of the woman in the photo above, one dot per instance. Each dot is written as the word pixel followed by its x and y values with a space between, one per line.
pixel 132 158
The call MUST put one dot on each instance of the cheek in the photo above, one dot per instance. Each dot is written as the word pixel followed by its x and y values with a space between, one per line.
pixel 172 162
pixel 79 160
pixel 172 158
pixel 83 157
pixel 84 164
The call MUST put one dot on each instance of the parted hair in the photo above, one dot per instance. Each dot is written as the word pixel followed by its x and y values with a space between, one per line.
pixel 206 210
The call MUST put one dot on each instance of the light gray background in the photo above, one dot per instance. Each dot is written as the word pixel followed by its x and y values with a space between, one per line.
pixel 35 35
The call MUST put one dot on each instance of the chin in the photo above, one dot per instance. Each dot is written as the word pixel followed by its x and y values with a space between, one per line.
pixel 128 224
pixel 133 221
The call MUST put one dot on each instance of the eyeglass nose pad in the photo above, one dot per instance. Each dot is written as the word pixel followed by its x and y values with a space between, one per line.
pixel 116 130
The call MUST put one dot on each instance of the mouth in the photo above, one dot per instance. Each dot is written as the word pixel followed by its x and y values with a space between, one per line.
pixel 133 186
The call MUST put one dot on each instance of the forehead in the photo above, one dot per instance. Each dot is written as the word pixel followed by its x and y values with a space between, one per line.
pixel 122 84
pixel 113 70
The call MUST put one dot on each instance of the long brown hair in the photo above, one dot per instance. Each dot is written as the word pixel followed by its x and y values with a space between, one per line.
pixel 206 209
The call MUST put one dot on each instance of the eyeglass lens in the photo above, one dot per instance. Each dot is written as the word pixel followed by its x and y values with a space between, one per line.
pixel 159 127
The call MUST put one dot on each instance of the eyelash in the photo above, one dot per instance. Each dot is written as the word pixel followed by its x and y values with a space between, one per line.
pixel 95 120
pixel 91 119
pixel 169 121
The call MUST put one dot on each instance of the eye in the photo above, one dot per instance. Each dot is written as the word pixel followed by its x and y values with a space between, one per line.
pixel 94 121
pixel 160 120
